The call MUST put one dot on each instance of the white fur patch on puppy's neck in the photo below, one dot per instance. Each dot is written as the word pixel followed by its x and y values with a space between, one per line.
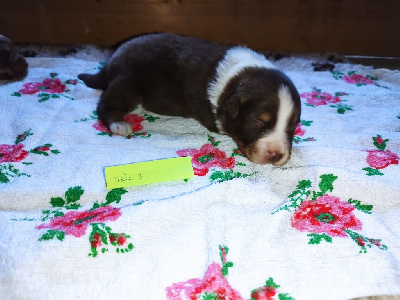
pixel 234 61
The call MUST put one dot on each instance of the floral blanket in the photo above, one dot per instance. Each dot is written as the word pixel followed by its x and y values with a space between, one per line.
pixel 324 226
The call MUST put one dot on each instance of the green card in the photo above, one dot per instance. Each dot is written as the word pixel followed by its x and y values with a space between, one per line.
pixel 149 172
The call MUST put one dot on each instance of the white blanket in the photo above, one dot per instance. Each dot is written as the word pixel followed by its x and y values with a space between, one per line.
pixel 324 226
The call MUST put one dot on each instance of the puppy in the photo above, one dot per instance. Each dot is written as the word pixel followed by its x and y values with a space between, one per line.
pixel 12 65
pixel 231 90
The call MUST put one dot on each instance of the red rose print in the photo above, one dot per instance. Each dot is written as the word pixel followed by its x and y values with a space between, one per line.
pixel 43 149
pixel 75 222
pixel 359 80
pixel 317 98
pixel 360 241
pixel 379 140
pixel 375 242
pixel 237 152
pixel 12 153
pixel 299 131
pixel 49 85
pixel 113 238
pixel 99 126
pixel 53 86
pixel 133 119
pixel 207 157
pixel 356 78
pixel 381 159
pixel 264 293
pixel 30 88
pixel 72 81
pixel 16 153
pixel 326 214
pixel 213 283
pixel 96 240
pixel 120 239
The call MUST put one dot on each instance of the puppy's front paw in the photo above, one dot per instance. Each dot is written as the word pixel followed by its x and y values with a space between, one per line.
pixel 121 128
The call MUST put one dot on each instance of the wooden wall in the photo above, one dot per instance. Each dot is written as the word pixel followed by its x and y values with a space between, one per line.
pixel 343 26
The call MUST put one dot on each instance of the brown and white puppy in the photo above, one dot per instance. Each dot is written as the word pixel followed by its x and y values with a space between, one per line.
pixel 12 65
pixel 232 90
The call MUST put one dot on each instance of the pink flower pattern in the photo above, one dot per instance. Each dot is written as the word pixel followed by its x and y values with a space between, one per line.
pixel 67 220
pixel 357 79
pixel 318 98
pixel 327 214
pixel 133 119
pixel 264 293
pixel 212 282
pixel 12 153
pixel 208 156
pixel 49 85
pixel 300 132
pixel 49 88
pixel 96 241
pixel 75 222
pixel 380 158
pixel 268 292
pixel 118 238
pixel 215 285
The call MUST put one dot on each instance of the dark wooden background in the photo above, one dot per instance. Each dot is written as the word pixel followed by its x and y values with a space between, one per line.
pixel 368 27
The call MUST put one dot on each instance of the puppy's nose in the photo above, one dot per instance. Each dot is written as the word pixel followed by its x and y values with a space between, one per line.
pixel 274 156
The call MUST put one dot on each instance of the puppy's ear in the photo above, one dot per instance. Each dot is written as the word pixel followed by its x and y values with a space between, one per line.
pixel 232 104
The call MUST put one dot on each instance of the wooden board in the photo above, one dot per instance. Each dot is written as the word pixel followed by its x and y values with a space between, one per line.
pixel 343 26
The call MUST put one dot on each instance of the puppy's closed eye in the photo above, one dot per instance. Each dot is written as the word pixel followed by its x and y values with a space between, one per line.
pixel 262 120
pixel 265 117
pixel 259 123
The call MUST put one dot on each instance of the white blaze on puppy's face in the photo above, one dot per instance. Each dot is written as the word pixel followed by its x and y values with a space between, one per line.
pixel 274 147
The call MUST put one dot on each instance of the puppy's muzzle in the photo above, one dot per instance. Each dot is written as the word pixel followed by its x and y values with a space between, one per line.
pixel 268 152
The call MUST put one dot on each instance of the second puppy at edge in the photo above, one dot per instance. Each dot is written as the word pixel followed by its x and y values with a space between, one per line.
pixel 231 90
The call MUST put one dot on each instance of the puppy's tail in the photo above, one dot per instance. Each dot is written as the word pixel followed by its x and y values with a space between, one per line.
pixel 95 81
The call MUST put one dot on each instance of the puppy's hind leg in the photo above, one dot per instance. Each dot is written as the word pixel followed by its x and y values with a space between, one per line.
pixel 118 99
pixel 95 81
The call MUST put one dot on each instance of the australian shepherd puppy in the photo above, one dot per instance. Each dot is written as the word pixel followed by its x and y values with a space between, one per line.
pixel 230 90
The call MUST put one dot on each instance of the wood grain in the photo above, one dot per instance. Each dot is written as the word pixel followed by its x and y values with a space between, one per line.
pixel 343 26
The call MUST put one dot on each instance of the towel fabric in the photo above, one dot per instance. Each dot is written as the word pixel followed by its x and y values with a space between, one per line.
pixel 324 226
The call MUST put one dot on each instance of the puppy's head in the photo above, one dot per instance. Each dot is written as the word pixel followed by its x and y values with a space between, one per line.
pixel 12 65
pixel 260 109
